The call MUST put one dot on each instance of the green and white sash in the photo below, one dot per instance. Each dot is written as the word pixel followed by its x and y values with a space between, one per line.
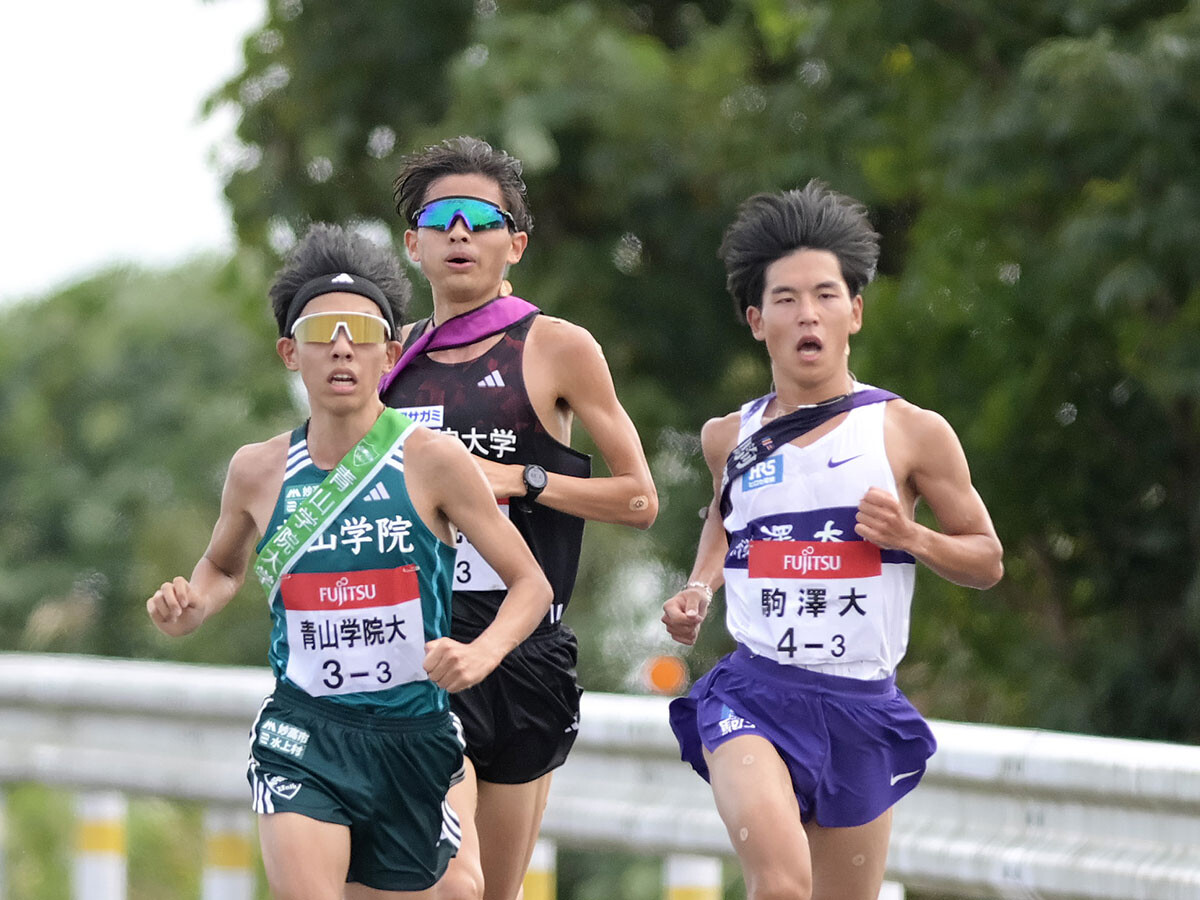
pixel 320 508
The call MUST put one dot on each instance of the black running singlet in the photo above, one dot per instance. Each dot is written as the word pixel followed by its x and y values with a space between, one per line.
pixel 485 403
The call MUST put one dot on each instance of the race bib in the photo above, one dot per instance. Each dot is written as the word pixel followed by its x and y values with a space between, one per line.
pixel 820 600
pixel 471 571
pixel 351 632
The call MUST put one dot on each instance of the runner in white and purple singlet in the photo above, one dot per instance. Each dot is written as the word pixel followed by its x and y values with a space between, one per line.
pixel 801 731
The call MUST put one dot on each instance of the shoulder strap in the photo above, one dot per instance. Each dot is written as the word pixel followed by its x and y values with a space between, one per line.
pixel 778 432
pixel 418 329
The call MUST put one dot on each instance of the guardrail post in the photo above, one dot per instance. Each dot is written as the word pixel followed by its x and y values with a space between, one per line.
pixel 692 878
pixel 99 869
pixel 3 844
pixel 229 849
pixel 540 876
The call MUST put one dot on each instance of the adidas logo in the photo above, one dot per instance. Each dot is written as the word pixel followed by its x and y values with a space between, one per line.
pixel 379 492
pixel 494 379
pixel 342 279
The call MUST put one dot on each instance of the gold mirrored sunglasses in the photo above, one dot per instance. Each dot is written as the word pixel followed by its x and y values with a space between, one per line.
pixel 322 328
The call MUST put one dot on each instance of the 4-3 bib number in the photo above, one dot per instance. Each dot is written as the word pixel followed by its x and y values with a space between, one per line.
pixel 836 645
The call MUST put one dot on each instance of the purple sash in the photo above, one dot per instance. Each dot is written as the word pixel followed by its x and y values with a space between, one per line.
pixel 493 317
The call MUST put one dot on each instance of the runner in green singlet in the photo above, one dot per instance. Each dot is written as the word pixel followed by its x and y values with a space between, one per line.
pixel 357 510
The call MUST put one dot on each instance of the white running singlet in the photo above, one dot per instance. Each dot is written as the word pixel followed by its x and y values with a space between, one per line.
pixel 801 587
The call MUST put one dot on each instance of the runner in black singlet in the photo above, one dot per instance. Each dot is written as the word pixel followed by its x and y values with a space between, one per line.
pixel 511 398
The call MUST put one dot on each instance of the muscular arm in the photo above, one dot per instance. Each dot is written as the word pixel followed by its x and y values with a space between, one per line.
pixel 565 373
pixel 684 612
pixel 448 488
pixel 966 549
pixel 179 606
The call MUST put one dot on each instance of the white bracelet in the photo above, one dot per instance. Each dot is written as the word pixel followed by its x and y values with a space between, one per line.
pixel 702 586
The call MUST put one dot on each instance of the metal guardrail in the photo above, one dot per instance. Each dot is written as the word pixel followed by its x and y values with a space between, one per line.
pixel 1002 812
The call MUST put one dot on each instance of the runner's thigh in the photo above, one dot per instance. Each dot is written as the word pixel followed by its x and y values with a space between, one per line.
pixel 754 796
pixel 848 863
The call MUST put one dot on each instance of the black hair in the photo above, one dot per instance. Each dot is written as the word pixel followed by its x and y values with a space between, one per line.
pixel 769 227
pixel 330 250
pixel 460 156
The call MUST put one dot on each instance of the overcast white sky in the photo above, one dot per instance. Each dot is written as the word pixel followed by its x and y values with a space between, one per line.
pixel 104 156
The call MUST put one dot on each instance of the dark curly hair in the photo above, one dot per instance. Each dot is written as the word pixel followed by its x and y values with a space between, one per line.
pixel 768 227
pixel 331 249
pixel 460 156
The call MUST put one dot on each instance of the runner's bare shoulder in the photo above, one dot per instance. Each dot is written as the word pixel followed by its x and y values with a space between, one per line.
pixel 563 341
pixel 718 437
pixel 914 435
pixel 257 469
pixel 434 454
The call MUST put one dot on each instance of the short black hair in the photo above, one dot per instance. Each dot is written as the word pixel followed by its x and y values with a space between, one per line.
pixel 460 156
pixel 329 250
pixel 769 227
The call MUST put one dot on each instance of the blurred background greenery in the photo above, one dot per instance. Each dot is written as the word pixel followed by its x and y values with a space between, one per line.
pixel 1033 167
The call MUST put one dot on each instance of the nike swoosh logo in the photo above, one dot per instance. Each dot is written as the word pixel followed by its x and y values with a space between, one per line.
pixel 834 463
pixel 904 775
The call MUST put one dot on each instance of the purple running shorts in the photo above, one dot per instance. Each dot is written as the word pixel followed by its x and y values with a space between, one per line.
pixel 853 747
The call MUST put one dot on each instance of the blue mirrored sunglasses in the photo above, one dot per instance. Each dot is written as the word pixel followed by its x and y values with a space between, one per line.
pixel 476 214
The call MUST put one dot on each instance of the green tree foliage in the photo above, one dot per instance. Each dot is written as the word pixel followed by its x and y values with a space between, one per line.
pixel 123 400
pixel 321 100
pixel 1032 168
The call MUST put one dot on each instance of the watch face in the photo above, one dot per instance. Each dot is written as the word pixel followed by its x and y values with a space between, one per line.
pixel 535 477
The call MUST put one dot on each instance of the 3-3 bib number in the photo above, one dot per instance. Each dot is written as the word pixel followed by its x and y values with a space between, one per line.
pixel 335 677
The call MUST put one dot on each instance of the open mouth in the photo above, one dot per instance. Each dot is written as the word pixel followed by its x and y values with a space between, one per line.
pixel 809 346
pixel 342 380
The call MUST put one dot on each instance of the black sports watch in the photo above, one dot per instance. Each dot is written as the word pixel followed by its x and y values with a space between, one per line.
pixel 535 480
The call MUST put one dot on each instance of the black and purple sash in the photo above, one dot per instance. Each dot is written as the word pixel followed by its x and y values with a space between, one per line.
pixel 776 433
